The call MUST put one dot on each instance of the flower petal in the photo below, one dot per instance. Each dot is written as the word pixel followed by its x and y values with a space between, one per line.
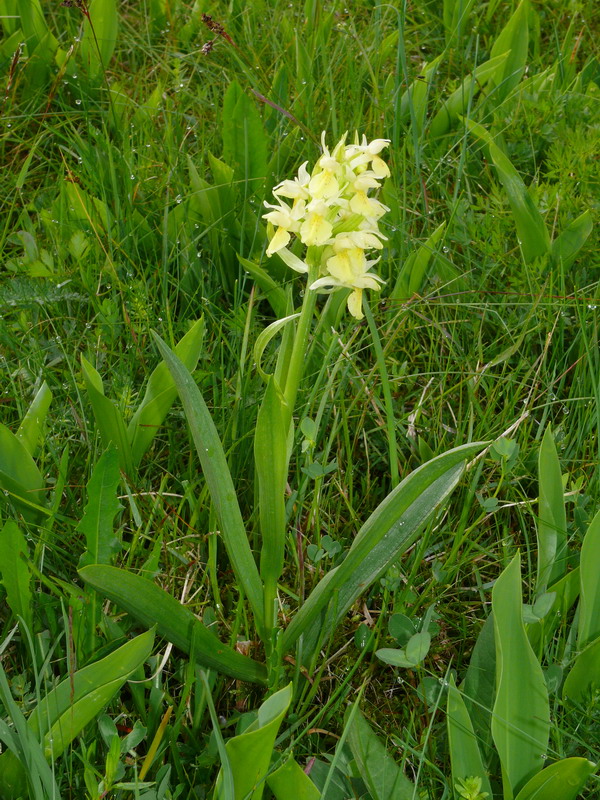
pixel 355 304
pixel 279 240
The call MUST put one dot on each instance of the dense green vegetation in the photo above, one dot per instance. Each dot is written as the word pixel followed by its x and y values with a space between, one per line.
pixel 139 142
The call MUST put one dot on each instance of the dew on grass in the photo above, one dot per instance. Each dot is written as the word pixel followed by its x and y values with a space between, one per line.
pixel 78 102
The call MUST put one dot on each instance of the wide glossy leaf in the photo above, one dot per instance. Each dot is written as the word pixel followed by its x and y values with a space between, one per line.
pixel 161 393
pixel 583 679
pixel 35 29
pixel 566 246
pixel 274 292
pixel 552 521
pixel 270 456
pixel 15 573
pixel 465 755
pixel 244 140
pixel 250 753
pixel 153 606
pixel 30 429
pixel 390 530
pixel 521 714
pixel 382 776
pixel 561 781
pixel 290 780
pixel 531 228
pixel 589 575
pixel 218 478
pixel 107 415
pixel 99 38
pixel 566 592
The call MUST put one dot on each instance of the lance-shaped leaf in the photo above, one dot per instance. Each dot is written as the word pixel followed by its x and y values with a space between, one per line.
pixel 65 711
pixel 19 475
pixel 244 140
pixel 102 507
pixel 514 40
pixel 153 606
pixel 30 429
pixel 583 679
pixel 566 246
pixel 107 415
pixel 161 393
pixel 521 713
pixel 250 753
pixel 561 781
pixel 458 102
pixel 218 478
pixel 390 530
pixel 552 522
pixel 99 37
pixel 382 776
pixel 531 228
pixel 588 626
pixel 413 271
pixel 465 755
pixel 15 573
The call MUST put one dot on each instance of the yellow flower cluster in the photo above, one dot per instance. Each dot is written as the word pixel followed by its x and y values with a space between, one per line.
pixel 331 211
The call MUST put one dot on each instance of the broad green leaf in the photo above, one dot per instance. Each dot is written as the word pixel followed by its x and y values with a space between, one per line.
pixel 108 417
pixel 153 606
pixel 465 755
pixel 99 38
pixel 265 336
pixel 566 246
pixel 513 39
pixel 395 657
pixel 531 228
pixel 382 776
pixel 521 713
pixel 561 781
pixel 418 646
pixel 458 102
pixel 19 475
pixel 270 457
pixel 583 679
pixel 412 273
pixel 101 509
pixel 218 478
pixel 15 573
pixel 244 140
pixel 250 753
pixel 30 429
pixel 36 30
pixel 552 522
pixel 9 18
pixel 390 530
pixel 589 605
pixel 161 393
pixel 290 780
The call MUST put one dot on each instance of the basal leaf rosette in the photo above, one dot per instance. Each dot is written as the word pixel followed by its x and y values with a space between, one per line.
pixel 332 213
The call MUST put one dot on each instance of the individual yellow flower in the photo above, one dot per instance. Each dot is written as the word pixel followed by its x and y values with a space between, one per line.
pixel 349 269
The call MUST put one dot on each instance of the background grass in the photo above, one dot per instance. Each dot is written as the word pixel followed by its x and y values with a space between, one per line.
pixel 102 240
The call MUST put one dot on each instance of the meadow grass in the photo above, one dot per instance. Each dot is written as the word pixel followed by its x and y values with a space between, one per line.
pixel 104 238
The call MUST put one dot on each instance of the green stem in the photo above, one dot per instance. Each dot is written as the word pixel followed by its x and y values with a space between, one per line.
pixel 387 396
pixel 298 356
